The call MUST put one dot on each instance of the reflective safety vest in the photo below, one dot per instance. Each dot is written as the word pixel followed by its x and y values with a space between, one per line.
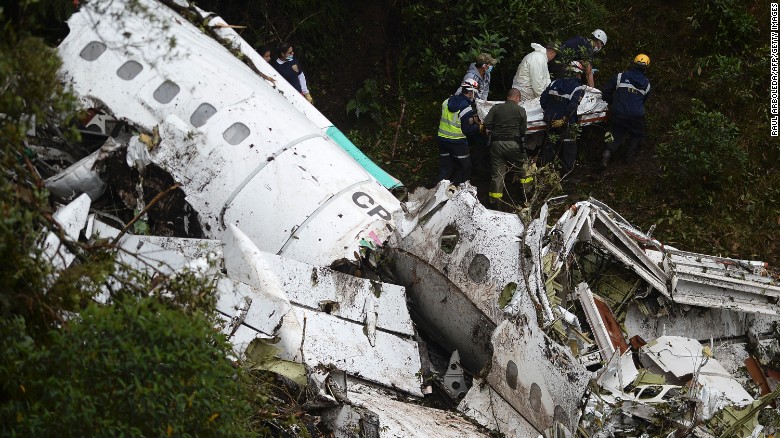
pixel 449 124
pixel 630 87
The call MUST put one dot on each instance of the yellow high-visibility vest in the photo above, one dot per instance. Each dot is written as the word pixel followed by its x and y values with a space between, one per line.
pixel 449 125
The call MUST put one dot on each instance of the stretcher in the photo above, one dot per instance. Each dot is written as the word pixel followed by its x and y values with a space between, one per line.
pixel 592 109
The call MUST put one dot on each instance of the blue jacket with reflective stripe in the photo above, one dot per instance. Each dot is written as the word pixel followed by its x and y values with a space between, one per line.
pixel 627 92
pixel 561 98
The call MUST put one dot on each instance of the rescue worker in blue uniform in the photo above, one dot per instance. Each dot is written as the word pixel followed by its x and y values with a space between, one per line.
pixel 458 120
pixel 578 48
pixel 626 94
pixel 290 69
pixel 559 102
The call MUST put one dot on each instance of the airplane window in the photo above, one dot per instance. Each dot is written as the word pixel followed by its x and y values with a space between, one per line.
pixel 202 115
pixel 93 50
pixel 129 70
pixel 166 92
pixel 236 133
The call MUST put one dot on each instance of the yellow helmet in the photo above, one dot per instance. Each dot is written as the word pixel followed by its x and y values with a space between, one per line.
pixel 642 60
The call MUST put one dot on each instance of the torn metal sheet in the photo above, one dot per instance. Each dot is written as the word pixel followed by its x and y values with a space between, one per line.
pixel 540 379
pixel 456 263
pixel 164 255
pixel 710 281
pixel 318 338
pixel 71 218
pixel 331 341
pixel 599 329
pixel 483 404
pixel 243 154
pixel 696 322
pixel 618 373
pixel 243 305
pixel 454 381
pixel 321 288
pixel 79 178
pixel 404 419
pixel 680 358
pixel 572 227
pixel 608 234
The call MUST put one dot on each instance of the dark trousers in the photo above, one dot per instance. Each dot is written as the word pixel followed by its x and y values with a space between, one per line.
pixel 454 161
pixel 560 145
pixel 503 153
pixel 622 128
pixel 480 155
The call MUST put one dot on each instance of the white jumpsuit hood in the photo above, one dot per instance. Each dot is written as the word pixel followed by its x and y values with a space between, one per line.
pixel 532 76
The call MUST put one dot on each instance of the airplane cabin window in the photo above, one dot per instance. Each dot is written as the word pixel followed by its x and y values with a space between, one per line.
pixel 166 92
pixel 129 70
pixel 202 115
pixel 92 51
pixel 236 133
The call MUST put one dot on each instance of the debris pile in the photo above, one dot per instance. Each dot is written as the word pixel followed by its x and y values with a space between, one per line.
pixel 375 309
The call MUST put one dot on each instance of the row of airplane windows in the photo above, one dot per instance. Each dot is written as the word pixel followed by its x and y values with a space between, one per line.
pixel 234 134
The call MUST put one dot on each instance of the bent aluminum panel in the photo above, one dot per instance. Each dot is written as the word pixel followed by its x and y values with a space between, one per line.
pixel 540 379
pixel 398 419
pixel 331 341
pixel 488 408
pixel 312 287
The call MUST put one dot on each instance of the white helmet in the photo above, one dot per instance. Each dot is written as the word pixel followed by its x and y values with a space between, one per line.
pixel 576 67
pixel 470 85
pixel 600 35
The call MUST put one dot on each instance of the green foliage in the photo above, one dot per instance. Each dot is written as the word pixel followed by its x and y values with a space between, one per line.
pixel 441 38
pixel 734 27
pixel 137 368
pixel 367 101
pixel 703 151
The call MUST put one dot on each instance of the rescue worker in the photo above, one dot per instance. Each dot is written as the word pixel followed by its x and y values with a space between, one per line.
pixel 290 69
pixel 581 49
pixel 532 75
pixel 480 72
pixel 531 79
pixel 559 103
pixel 506 122
pixel 626 94
pixel 458 119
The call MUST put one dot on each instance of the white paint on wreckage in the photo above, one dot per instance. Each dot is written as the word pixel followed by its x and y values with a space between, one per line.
pixel 377 347
pixel 242 153
pixel 455 295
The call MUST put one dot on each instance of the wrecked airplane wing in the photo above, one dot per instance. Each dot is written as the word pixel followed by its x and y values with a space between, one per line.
pixel 524 314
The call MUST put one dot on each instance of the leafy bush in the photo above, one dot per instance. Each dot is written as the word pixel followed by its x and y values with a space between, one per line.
pixel 137 368
pixel 367 101
pixel 704 150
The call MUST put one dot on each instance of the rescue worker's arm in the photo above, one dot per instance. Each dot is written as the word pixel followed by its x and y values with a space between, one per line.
pixel 574 102
pixel 545 97
pixel 469 123
pixel 589 74
pixel 609 89
pixel 540 77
